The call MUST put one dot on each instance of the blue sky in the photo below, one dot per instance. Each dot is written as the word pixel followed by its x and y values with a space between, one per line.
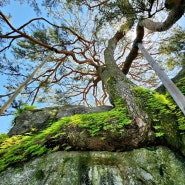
pixel 21 14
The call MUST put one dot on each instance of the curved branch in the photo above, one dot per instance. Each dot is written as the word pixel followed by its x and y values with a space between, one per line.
pixel 37 19
pixel 112 43
pixel 174 15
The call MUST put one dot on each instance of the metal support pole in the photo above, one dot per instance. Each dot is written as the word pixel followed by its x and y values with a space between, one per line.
pixel 10 100
pixel 167 82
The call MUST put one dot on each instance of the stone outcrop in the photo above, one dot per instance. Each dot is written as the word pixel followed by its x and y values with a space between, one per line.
pixel 38 119
pixel 149 166
pixel 41 157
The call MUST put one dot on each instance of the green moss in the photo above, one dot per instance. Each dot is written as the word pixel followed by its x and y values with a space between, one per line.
pixel 180 116
pixel 156 105
pixel 161 110
pixel 113 121
pixel 163 113
pixel 114 97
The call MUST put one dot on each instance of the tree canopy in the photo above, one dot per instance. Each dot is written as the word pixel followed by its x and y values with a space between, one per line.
pixel 86 37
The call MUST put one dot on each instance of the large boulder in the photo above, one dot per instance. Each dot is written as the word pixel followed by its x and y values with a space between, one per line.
pixel 38 119
pixel 145 166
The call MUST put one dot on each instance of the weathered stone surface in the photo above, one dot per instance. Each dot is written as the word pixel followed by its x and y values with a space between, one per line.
pixel 70 110
pixel 147 166
pixel 38 119
pixel 28 120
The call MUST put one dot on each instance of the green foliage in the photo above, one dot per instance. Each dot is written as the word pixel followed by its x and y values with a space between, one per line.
pixel 115 10
pixel 173 48
pixel 77 2
pixel 29 50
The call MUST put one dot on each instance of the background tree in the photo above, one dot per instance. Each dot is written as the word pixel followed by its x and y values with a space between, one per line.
pixel 173 48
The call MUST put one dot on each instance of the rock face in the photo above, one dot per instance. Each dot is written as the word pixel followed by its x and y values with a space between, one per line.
pixel 38 119
pixel 149 166
pixel 155 165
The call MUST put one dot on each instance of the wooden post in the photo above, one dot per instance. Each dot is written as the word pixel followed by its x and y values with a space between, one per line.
pixel 167 82
pixel 10 100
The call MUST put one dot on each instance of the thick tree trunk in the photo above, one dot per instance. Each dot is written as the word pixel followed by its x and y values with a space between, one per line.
pixel 120 88
pixel 134 136
pixel 120 91
pixel 117 85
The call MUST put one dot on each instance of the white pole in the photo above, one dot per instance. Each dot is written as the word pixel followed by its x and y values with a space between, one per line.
pixel 167 82
pixel 10 100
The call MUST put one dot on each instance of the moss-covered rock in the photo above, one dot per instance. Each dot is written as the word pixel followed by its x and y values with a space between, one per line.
pixel 154 165
pixel 35 120
pixel 93 131
pixel 77 128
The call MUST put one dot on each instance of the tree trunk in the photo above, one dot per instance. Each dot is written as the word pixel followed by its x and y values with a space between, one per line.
pixel 20 88
pixel 140 110
pixel 121 94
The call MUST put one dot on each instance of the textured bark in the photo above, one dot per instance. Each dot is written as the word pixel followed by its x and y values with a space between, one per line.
pixel 117 85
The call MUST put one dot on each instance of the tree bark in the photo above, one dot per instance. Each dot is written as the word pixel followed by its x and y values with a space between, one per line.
pixel 119 88
pixel 134 136
pixel 134 51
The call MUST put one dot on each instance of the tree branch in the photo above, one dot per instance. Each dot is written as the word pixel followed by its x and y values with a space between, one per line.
pixel 174 15
pixel 134 51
